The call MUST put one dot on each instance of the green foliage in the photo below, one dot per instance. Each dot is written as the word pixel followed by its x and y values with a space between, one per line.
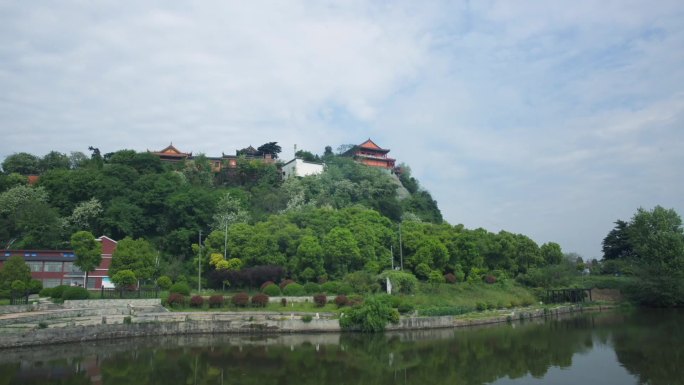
pixel 402 282
pixel 21 163
pixel 124 278
pixel 14 269
pixel 362 282
pixel 312 287
pixel 164 282
pixel 370 317
pixel 447 310
pixel 136 255
pixel 271 290
pixel 18 286
pixel 294 290
pixel 561 275
pixel 58 291
pixel 75 292
pixel 306 318
pixel 46 292
pixel 88 251
pixel 180 288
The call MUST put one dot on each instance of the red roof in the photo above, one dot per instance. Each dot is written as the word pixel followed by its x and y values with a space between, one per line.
pixel 370 145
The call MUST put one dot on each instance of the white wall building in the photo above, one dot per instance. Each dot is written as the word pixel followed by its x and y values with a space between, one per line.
pixel 299 167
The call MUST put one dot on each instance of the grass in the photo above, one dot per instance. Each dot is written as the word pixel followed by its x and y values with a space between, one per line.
pixel 471 296
pixel 603 281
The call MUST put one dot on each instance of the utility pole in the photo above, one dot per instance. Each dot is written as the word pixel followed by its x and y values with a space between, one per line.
pixel 401 251
pixel 392 253
pixel 225 242
pixel 199 265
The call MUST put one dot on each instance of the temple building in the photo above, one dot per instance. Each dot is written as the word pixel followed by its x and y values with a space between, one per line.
pixel 372 155
pixel 56 267
pixel 171 154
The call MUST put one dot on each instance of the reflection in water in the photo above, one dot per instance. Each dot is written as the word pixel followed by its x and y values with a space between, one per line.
pixel 571 350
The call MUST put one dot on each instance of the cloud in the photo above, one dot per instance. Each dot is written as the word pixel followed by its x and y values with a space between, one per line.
pixel 541 118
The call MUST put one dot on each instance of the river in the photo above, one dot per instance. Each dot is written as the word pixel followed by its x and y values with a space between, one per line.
pixel 616 347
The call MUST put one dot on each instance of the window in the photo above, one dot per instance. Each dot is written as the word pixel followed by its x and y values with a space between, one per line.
pixel 69 267
pixel 36 267
pixel 51 282
pixel 91 283
pixel 53 267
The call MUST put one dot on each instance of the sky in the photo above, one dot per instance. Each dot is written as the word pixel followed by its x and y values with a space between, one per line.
pixel 548 118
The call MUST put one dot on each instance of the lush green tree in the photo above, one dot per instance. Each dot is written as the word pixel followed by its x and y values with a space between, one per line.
pixel 371 317
pixel 7 181
pixel 22 163
pixel 14 269
pixel 616 245
pixel 271 148
pixel 125 278
pixel 88 252
pixel 551 253
pixel 86 215
pixel 136 255
pixel 54 160
pixel 341 252
pixel 229 210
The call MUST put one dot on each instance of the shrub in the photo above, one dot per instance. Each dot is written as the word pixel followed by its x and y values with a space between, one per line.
pixel 216 301
pixel 294 289
pixel 285 283
pixel 5 294
pixel 18 286
pixel 450 278
pixel 75 292
pixel 57 291
pixel 42 324
pixel 444 310
pixel 307 318
pixel 164 282
pixel 35 286
pixel 271 290
pixel 361 282
pixel 176 299
pixel 481 306
pixel 312 287
pixel 320 300
pixel 405 307
pixel 490 279
pixel 124 278
pixel 259 300
pixel 46 292
pixel 180 288
pixel 370 317
pixel 196 301
pixel 283 302
pixel 127 320
pixel 491 306
pixel 265 284
pixel 330 287
pixel 240 299
pixel 341 300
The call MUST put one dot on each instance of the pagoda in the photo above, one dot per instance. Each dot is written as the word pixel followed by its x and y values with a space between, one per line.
pixel 372 155
pixel 171 154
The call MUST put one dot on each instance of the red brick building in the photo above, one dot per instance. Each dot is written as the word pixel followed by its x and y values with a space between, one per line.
pixel 56 267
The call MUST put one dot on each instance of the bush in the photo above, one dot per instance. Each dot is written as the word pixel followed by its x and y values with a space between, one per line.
pixel 283 302
pixel 320 300
pixel 259 300
pixel 124 278
pixel 196 301
pixel 371 317
pixel 176 299
pixel 490 279
pixel 180 288
pixel 444 310
pixel 47 292
pixel 164 282
pixel 294 289
pixel 75 292
pixel 341 300
pixel 240 299
pixel 42 324
pixel 5 294
pixel 361 282
pixel 35 286
pixel 271 290
pixel 285 283
pixel 127 320
pixel 18 287
pixel 306 318
pixel 481 306
pixel 312 287
pixel 57 291
pixel 265 284
pixel 330 287
pixel 449 278
pixel 404 308
pixel 216 301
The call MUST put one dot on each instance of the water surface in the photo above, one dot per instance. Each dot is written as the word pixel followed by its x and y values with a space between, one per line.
pixel 639 347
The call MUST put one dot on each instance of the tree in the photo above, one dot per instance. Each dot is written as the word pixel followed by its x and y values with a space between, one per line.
pixel 136 255
pixel 88 252
pixel 124 278
pixel 54 160
pixel 229 210
pixel 341 252
pixel 271 148
pixel 551 252
pixel 21 163
pixel 616 245
pixel 14 269
pixel 86 215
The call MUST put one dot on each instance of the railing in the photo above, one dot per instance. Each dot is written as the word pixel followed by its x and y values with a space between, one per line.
pixel 19 298
pixel 574 295
pixel 120 293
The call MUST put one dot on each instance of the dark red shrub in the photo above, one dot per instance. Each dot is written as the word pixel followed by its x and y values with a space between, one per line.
pixel 320 300
pixel 259 300
pixel 240 299
pixel 216 301
pixel 450 278
pixel 196 301
pixel 285 282
pixel 490 279
pixel 176 299
pixel 283 301
pixel 341 300
pixel 263 285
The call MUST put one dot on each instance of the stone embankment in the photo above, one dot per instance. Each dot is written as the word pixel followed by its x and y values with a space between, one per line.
pixel 78 321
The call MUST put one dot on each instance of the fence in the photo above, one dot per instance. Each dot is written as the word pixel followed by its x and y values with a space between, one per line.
pixel 567 295
pixel 120 293
pixel 19 298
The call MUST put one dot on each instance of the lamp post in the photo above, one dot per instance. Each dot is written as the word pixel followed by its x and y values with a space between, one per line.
pixel 401 251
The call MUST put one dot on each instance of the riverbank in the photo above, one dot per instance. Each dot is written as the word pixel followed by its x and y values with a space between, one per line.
pixel 137 320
